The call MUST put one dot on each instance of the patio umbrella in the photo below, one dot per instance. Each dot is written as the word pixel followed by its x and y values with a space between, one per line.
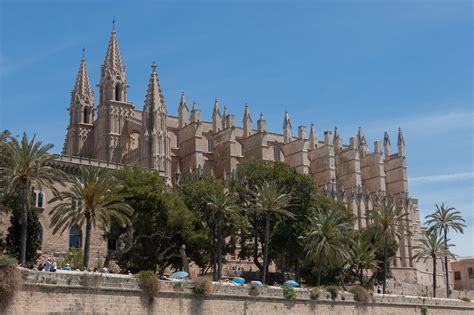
pixel 292 283
pixel 256 282
pixel 238 280
pixel 180 275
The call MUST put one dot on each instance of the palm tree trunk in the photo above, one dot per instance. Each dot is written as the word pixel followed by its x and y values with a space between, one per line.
pixel 24 225
pixel 320 262
pixel 446 262
pixel 87 243
pixel 265 251
pixel 385 263
pixel 219 250
pixel 434 275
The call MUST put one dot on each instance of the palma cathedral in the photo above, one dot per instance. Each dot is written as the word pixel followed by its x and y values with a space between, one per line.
pixel 114 133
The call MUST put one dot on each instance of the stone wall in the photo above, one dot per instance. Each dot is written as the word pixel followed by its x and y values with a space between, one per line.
pixel 71 293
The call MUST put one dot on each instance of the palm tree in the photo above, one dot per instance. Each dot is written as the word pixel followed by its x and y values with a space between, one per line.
pixel 92 200
pixel 25 164
pixel 221 203
pixel 363 256
pixel 270 200
pixel 328 238
pixel 433 246
pixel 440 222
pixel 384 225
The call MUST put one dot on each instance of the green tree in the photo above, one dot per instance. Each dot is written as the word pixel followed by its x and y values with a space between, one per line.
pixel 328 239
pixel 164 231
pixel 24 164
pixel 363 256
pixel 222 204
pixel 92 200
pixel 270 201
pixel 433 246
pixel 441 221
pixel 385 225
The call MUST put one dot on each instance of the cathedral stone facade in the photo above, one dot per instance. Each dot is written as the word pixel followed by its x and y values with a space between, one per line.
pixel 118 133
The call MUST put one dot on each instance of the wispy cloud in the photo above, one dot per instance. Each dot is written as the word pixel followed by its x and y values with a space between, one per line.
pixel 442 178
pixel 9 65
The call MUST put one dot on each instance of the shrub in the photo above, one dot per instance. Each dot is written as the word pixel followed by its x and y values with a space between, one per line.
pixel 10 280
pixel 360 293
pixel 49 280
pixel 114 267
pixel 315 293
pixel 424 310
pixel 254 290
pixel 177 286
pixel 149 284
pixel 74 257
pixel 332 291
pixel 465 299
pixel 203 286
pixel 289 292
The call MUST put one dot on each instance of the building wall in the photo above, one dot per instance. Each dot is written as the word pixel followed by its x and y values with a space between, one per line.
pixel 463 273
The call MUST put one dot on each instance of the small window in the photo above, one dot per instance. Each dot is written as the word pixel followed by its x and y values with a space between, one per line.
pixel 210 145
pixel 470 272
pixel 276 153
pixel 40 200
pixel 75 237
pixel 118 92
pixel 86 115
pixel 457 275
pixel 112 244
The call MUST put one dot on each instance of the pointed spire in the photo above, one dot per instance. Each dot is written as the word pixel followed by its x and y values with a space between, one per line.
pixel 362 143
pixel 113 59
pixel 287 128
pixel 183 111
pixel 216 117
pixel 261 124
pixel 154 99
pixel 401 143
pixel 386 145
pixel 82 87
pixel 195 113
pixel 247 121
pixel 313 138
pixel 337 139
pixel 224 118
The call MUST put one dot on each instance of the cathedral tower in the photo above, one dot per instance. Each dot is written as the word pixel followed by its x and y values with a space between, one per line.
pixel 155 144
pixel 79 140
pixel 113 109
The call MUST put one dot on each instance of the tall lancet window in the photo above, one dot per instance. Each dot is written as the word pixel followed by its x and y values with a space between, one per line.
pixel 276 153
pixel 86 115
pixel 210 144
pixel 118 92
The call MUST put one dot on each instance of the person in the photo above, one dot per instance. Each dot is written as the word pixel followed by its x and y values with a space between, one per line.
pixel 379 290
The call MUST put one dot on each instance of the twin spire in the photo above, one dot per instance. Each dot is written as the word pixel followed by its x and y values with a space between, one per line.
pixel 82 88
pixel 113 64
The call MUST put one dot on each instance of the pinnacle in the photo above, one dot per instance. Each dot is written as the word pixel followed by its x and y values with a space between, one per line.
pixel 83 86
pixel 400 137
pixel 113 59
pixel 154 97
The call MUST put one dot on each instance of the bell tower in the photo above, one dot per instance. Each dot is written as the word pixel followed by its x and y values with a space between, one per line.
pixel 79 138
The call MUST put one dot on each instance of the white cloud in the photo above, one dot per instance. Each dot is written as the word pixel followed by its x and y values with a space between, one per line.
pixel 441 178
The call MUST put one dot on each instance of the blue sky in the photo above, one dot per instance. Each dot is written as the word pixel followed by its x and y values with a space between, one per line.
pixel 376 64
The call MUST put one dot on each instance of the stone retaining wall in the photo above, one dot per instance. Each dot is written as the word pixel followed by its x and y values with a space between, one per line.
pixel 85 293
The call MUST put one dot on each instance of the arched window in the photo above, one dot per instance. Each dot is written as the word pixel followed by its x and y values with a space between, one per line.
pixel 276 153
pixel 75 237
pixel 118 92
pixel 40 200
pixel 210 145
pixel 86 115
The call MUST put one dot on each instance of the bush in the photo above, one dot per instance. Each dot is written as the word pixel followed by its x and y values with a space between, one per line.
pixel 10 280
pixel 203 286
pixel 289 292
pixel 149 284
pixel 114 267
pixel 315 293
pixel 465 299
pixel 254 290
pixel 177 286
pixel 75 258
pixel 50 281
pixel 360 293
pixel 332 291
pixel 424 310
